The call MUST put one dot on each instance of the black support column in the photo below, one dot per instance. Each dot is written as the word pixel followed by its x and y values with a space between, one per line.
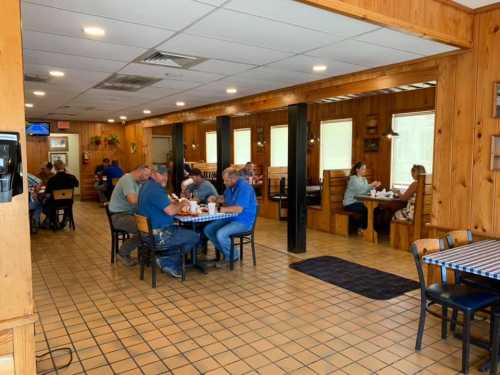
pixel 178 148
pixel 223 125
pixel 297 175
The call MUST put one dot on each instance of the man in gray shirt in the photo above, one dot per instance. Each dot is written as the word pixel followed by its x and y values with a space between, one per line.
pixel 200 189
pixel 123 204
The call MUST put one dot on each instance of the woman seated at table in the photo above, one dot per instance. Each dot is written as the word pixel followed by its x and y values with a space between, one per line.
pixel 358 185
pixel 409 196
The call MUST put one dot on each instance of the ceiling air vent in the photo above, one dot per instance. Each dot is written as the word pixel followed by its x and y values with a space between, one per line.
pixel 28 78
pixel 126 82
pixel 61 114
pixel 171 60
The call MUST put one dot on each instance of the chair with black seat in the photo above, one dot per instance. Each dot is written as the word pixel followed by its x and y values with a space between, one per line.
pixel 244 238
pixel 458 297
pixel 62 209
pixel 149 249
pixel 117 236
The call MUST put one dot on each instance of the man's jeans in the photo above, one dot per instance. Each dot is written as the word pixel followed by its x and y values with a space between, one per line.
pixel 172 238
pixel 126 222
pixel 36 207
pixel 219 231
pixel 101 189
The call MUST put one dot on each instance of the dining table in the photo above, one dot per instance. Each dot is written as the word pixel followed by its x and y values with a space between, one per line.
pixel 481 258
pixel 372 202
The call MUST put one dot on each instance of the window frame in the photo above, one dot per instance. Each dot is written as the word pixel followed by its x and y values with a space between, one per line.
pixel 334 120
pixel 408 114
pixel 206 146
pixel 249 130
pixel 271 145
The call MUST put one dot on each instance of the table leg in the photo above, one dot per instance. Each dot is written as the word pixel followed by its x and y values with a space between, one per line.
pixel 370 234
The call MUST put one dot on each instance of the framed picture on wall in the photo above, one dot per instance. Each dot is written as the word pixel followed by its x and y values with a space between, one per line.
pixel 62 156
pixel 58 143
pixel 372 124
pixel 496 100
pixel 372 144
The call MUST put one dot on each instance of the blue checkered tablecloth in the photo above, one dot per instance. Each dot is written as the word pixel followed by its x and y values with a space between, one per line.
pixel 480 258
pixel 204 217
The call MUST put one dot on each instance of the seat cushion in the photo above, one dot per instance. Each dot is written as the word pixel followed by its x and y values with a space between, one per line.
pixel 479 282
pixel 461 296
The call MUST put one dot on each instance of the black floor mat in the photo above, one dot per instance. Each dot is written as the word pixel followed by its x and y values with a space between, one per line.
pixel 359 279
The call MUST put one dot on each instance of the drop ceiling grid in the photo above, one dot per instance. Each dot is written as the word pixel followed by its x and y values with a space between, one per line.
pixel 255 46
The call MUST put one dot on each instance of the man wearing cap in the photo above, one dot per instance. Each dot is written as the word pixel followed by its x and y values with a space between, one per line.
pixel 154 204
pixel 200 189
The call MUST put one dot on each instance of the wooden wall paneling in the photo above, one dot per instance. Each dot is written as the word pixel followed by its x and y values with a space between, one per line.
pixel 484 217
pixel 437 20
pixel 442 142
pixel 460 161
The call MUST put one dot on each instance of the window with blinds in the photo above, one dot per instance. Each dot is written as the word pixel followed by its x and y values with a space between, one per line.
pixel 335 145
pixel 211 147
pixel 242 147
pixel 279 146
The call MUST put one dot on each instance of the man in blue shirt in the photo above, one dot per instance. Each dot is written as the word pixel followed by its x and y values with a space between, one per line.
pixel 239 197
pixel 112 173
pixel 154 203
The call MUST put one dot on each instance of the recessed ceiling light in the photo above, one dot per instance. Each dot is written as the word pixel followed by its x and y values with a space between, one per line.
pixel 56 73
pixel 93 31
pixel 319 68
pixel 231 90
pixel 111 120
pixel 39 93
pixel 29 105
pixel 146 112
pixel 180 104
pixel 123 117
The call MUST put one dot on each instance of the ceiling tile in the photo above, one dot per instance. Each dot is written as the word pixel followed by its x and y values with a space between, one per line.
pixel 363 54
pixel 71 75
pixel 79 47
pixel 169 14
pixel 404 42
pixel 304 64
pixel 219 49
pixel 172 73
pixel 222 67
pixel 41 18
pixel 176 84
pixel 300 14
pixel 60 60
pixel 260 32
pixel 278 75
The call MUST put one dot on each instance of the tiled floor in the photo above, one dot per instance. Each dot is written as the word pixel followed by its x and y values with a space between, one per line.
pixel 263 320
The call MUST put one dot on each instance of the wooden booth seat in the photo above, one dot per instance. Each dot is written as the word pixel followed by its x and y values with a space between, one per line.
pixel 208 170
pixel 403 232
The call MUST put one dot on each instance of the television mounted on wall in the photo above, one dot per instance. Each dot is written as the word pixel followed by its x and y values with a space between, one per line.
pixel 38 128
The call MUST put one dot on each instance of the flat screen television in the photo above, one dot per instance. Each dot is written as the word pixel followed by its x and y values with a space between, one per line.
pixel 38 128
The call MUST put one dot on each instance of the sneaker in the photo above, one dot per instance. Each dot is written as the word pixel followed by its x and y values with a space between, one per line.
pixel 172 271
pixel 127 260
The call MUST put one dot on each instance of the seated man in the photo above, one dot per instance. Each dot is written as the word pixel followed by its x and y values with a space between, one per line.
pixel 112 173
pixel 45 173
pixel 122 206
pixel 100 185
pixel 248 173
pixel 35 202
pixel 155 204
pixel 60 181
pixel 200 189
pixel 239 197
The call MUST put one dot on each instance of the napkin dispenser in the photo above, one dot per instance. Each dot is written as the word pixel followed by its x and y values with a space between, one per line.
pixel 11 181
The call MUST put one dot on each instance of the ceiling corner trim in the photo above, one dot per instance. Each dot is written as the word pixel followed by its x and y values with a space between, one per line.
pixel 455 29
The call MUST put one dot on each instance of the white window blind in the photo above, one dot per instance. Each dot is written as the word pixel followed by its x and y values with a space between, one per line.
pixel 242 146
pixel 211 146
pixel 414 145
pixel 335 145
pixel 279 146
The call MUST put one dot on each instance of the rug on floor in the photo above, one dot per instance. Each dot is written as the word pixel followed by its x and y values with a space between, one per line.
pixel 359 279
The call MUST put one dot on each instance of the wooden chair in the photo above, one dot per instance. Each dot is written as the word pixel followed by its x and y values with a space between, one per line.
pixel 243 239
pixel 117 236
pixel 150 250
pixel 63 208
pixel 405 232
pixel 457 297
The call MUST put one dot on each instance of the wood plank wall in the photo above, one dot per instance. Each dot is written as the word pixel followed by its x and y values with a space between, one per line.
pixel 382 106
pixel 16 297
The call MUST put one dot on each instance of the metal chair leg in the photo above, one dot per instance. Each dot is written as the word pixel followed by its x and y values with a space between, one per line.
pixel 241 251
pixel 444 322
pixel 421 326
pixel 231 255
pixel 153 270
pixel 453 322
pixel 466 342
pixel 495 341
pixel 253 251
pixel 142 261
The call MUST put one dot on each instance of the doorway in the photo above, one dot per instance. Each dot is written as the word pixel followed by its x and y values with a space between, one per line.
pixel 161 149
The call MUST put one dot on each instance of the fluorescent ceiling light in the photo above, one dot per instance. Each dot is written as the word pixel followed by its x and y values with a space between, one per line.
pixel 146 112
pixel 319 68
pixel 39 93
pixel 231 90
pixel 56 73
pixel 93 31
pixel 29 105
pixel 180 104
pixel 111 120
pixel 123 117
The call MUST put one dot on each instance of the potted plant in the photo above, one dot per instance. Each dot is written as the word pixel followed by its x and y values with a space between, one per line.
pixel 113 139
pixel 96 140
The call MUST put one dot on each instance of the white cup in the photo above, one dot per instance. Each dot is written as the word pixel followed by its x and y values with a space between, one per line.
pixel 373 192
pixel 193 205
pixel 212 208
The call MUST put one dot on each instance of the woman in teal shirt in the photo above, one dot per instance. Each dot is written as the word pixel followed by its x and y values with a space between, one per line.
pixel 358 185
